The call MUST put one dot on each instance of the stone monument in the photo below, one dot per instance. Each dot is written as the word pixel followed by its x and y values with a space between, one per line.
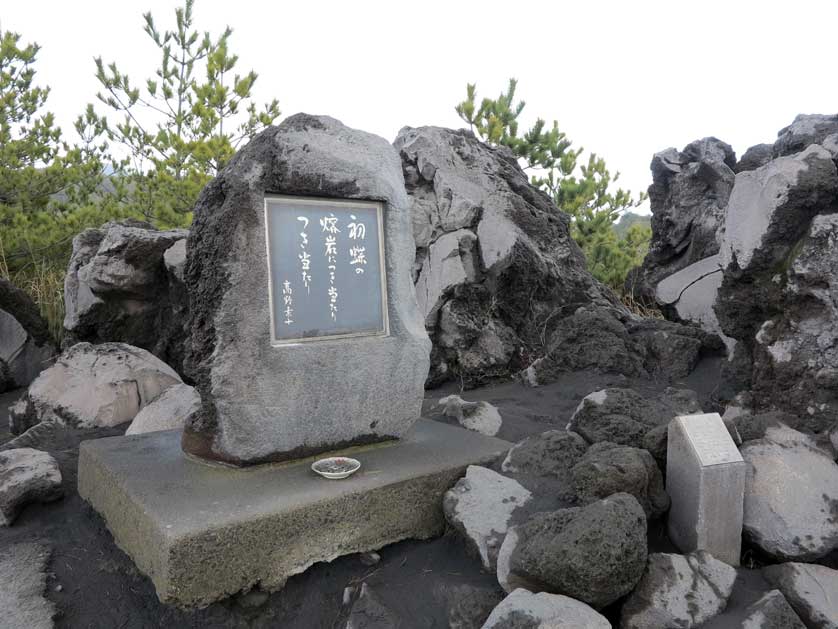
pixel 319 344
pixel 306 338
pixel 705 478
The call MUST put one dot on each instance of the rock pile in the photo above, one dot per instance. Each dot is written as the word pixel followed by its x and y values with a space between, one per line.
pixel 501 283
pixel 748 249
pixel 124 284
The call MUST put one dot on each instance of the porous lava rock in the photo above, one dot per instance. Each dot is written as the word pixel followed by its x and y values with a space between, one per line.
pixel 607 469
pixel 595 554
pixel 26 475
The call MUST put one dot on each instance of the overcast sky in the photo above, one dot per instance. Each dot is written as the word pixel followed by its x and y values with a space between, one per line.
pixel 624 79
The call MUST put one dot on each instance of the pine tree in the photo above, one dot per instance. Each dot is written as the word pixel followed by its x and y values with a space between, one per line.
pixel 184 124
pixel 584 190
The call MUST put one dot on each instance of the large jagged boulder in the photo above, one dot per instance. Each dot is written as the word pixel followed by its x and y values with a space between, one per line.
pixel 124 284
pixel 688 197
pixel 94 385
pixel 496 269
pixel 26 346
pixel 776 299
pixel 806 129
pixel 811 590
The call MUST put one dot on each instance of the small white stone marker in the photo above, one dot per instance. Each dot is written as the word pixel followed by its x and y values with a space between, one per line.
pixel 705 478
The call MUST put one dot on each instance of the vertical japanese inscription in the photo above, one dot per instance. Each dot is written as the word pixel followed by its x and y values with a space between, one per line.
pixel 326 268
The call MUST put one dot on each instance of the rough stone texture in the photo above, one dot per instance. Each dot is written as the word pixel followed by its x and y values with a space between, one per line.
pixel 480 507
pixel 791 496
pixel 259 402
pixel 496 268
pixel 169 411
pixel 26 475
pixel 607 469
pixel 811 590
pixel 480 416
pixel 688 196
pixel 626 417
pixel 525 610
pixel 25 343
pixel 805 130
pixel 595 553
pixel 369 612
pixel 678 591
pixel 610 342
pixel 468 606
pixel 94 385
pixel 754 157
pixel 119 288
pixel 551 453
pixel 705 476
pixel 202 532
pixel 23 575
pixel 771 611
pixel 40 436
pixel 780 274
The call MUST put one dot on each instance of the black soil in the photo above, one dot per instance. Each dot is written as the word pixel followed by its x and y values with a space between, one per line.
pixel 94 584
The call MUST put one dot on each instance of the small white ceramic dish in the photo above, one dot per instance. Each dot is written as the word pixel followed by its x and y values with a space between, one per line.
pixel 336 467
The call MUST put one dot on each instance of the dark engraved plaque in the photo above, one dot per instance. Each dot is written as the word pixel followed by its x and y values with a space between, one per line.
pixel 326 268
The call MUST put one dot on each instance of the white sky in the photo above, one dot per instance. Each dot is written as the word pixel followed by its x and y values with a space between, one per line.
pixel 624 78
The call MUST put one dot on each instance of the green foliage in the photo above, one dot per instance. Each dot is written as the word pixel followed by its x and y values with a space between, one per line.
pixel 582 188
pixel 185 123
pixel 172 135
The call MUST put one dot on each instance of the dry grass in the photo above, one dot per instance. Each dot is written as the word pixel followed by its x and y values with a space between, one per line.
pixel 639 308
pixel 44 283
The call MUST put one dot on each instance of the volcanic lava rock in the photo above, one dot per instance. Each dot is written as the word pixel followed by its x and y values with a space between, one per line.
pixel 120 288
pixel 26 347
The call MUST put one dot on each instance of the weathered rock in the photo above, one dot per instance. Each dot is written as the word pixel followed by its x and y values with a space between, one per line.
pixel 806 129
pixel 679 591
pixel 119 288
pixel 26 476
pixel 791 496
pixel 38 437
pixel 480 507
pixel 496 268
pixel 606 341
pixel 94 385
pixel 170 410
pixel 24 578
pixel 525 610
pixel 595 553
pixel 369 612
pixel 688 196
pixel 779 272
pixel 811 590
pixel 754 157
pixel 625 417
pixel 771 611
pixel 480 416
pixel 607 469
pixel 551 453
pixel 468 605
pixel 26 347
pixel 376 385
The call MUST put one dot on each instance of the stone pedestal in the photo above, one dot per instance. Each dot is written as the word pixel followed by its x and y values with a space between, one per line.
pixel 202 532
pixel 705 478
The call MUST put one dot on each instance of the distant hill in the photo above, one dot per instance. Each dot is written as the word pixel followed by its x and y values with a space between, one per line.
pixel 628 219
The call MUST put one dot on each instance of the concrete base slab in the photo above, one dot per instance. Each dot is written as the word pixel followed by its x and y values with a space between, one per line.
pixel 203 532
